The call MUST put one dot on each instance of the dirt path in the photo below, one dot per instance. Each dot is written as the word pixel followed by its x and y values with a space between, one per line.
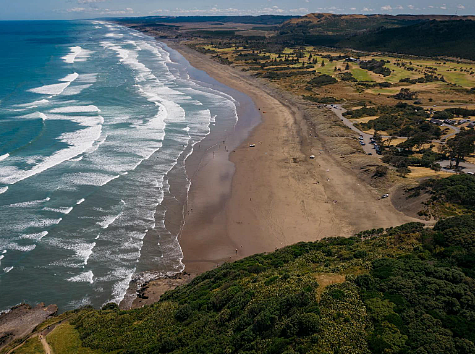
pixel 45 344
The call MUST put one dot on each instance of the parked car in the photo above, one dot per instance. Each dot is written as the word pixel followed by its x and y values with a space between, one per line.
pixel 384 196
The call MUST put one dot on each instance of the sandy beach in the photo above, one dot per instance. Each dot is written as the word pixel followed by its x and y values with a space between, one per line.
pixel 278 195
pixel 245 200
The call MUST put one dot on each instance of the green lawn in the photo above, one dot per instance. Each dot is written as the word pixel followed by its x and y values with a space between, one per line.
pixel 462 79
pixel 64 339
pixel 361 74
pixel 31 346
pixel 399 73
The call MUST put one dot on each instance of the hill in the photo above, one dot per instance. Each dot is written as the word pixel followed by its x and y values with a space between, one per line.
pixel 432 38
pixel 402 290
pixel 416 35
pixel 325 23
pixel 258 20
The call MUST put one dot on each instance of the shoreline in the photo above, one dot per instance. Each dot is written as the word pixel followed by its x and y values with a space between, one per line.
pixel 279 195
pixel 276 196
pixel 207 159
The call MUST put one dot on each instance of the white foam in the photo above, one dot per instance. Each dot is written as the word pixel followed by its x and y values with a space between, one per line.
pixel 29 203
pixel 37 236
pixel 33 104
pixel 120 288
pixel 114 35
pixel 86 277
pixel 89 178
pixel 74 90
pixel 17 247
pixel 78 141
pixel 87 78
pixel 63 210
pixel 7 269
pixel 3 189
pixel 70 77
pixel 76 109
pixel 80 201
pixel 74 52
pixel 108 220
pixel 84 251
pixel 54 89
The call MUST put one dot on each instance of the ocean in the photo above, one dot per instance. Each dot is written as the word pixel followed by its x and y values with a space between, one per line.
pixel 96 123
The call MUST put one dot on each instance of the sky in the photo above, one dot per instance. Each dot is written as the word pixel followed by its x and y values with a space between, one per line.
pixel 80 9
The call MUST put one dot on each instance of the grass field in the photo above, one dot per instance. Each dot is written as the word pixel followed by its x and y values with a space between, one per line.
pixel 64 339
pixel 360 74
pixel 31 346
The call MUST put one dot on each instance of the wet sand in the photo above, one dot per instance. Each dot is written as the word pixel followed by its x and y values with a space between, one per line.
pixel 277 195
pixel 245 200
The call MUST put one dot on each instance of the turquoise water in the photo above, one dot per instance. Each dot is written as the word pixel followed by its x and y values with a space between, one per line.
pixel 94 118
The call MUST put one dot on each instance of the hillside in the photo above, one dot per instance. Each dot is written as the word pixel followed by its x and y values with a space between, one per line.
pixel 401 290
pixel 325 23
pixel 258 20
pixel 416 35
pixel 433 38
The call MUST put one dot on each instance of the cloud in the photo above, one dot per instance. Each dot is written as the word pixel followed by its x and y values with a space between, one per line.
pixel 89 1
pixel 460 6
pixel 399 7
pixel 411 7
pixel 76 9
pixel 215 10
pixel 98 11
pixel 387 8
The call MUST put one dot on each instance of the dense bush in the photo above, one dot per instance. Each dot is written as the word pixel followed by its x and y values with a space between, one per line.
pixel 322 80
pixel 405 289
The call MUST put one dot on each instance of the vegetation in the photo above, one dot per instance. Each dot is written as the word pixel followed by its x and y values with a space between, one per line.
pixel 400 120
pixel 460 146
pixel 455 193
pixel 428 38
pixel 31 346
pixel 322 80
pixel 65 339
pixel 376 66
pixel 401 290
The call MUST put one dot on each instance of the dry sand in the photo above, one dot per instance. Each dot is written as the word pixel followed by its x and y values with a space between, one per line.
pixel 277 195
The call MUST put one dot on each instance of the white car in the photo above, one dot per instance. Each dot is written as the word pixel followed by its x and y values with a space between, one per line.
pixel 384 196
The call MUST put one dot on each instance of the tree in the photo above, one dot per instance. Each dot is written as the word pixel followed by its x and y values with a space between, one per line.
pixel 403 171
pixel 461 145
pixel 381 171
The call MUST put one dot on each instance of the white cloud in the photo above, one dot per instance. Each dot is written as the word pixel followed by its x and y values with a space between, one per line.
pixel 387 8
pixel 411 7
pixel 89 1
pixel 399 7
pixel 460 6
pixel 76 9
pixel 273 10
pixel 98 11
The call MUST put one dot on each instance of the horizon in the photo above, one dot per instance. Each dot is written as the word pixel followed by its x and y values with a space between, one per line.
pixel 259 15
pixel 92 9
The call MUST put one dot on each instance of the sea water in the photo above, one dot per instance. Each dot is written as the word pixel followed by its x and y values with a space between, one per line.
pixel 93 118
